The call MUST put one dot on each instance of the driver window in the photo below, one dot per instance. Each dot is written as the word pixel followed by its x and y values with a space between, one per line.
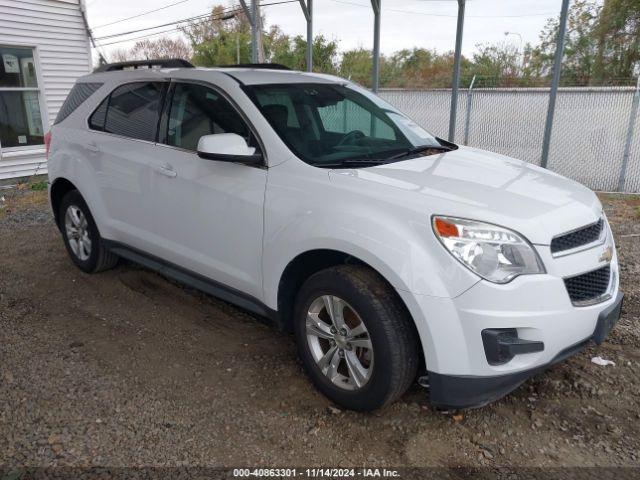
pixel 346 116
pixel 197 110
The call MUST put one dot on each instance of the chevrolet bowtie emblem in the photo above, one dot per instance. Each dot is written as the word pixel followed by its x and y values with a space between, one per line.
pixel 607 254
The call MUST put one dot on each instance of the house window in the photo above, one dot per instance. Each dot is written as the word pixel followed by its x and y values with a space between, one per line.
pixel 20 117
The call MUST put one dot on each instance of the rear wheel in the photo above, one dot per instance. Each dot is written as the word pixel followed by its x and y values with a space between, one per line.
pixel 355 338
pixel 81 236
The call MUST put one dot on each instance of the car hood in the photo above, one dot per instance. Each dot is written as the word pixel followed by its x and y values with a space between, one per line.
pixel 480 185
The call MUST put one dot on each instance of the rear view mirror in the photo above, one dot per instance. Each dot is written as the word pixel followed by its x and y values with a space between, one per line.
pixel 227 147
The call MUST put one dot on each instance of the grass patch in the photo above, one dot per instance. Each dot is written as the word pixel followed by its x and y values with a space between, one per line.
pixel 23 198
pixel 38 186
pixel 621 208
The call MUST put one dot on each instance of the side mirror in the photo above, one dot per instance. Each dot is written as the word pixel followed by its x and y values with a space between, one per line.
pixel 227 147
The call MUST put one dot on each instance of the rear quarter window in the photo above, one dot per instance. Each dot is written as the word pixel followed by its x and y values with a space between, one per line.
pixel 98 117
pixel 77 96
pixel 134 110
pixel 131 110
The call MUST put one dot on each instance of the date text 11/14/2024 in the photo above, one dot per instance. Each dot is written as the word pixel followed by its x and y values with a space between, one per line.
pixel 316 472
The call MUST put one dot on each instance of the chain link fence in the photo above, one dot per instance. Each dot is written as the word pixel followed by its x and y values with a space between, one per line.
pixel 595 138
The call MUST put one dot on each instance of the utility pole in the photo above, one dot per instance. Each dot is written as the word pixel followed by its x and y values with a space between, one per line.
pixel 258 22
pixel 254 31
pixel 252 20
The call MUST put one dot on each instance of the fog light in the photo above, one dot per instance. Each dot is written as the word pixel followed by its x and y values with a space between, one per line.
pixel 502 344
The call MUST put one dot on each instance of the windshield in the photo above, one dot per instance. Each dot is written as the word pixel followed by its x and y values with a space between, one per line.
pixel 331 124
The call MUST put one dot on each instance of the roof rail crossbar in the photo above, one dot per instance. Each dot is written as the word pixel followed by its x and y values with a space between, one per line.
pixel 265 66
pixel 135 64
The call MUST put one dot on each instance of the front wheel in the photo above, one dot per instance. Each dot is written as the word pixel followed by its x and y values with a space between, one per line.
pixel 355 338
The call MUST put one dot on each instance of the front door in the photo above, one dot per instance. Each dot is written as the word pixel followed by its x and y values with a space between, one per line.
pixel 208 214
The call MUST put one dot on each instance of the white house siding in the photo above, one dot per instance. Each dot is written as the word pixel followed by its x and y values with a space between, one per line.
pixel 56 29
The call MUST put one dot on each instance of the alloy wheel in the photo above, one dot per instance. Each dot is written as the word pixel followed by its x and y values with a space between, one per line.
pixel 77 229
pixel 339 342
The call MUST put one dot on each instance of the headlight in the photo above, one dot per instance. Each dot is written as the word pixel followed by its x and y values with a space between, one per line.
pixel 495 253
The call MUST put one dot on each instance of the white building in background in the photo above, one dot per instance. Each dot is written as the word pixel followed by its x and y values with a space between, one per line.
pixel 44 48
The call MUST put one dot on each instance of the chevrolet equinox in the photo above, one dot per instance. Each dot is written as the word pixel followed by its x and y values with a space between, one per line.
pixel 393 255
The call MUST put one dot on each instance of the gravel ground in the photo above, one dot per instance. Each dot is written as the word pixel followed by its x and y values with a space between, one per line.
pixel 126 368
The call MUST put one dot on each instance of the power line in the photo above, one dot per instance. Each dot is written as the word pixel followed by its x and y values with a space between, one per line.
pixel 278 3
pixel 207 18
pixel 149 35
pixel 177 28
pixel 413 12
pixel 196 17
pixel 204 17
pixel 141 14
pixel 174 29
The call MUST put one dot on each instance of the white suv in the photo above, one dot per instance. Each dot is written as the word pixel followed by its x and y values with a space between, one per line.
pixel 391 253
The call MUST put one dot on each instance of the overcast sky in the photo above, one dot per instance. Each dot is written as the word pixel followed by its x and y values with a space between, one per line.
pixel 405 23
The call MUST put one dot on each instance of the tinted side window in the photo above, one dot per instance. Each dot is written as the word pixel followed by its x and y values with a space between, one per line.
pixel 134 110
pixel 78 94
pixel 197 110
pixel 97 118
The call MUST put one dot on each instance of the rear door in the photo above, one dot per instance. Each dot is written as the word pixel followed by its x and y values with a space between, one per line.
pixel 122 145
pixel 209 214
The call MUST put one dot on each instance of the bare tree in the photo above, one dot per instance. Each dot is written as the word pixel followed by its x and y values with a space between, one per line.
pixel 120 55
pixel 164 47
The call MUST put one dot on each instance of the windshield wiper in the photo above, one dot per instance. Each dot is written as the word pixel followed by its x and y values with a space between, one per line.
pixel 365 161
pixel 418 149
pixel 360 162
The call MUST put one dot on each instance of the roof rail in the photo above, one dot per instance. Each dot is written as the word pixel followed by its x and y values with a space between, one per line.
pixel 135 64
pixel 264 66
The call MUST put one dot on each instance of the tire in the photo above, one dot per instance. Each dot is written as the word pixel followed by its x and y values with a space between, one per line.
pixel 87 250
pixel 375 368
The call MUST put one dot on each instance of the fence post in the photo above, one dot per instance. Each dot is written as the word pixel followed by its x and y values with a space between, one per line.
pixel 467 120
pixel 456 71
pixel 627 144
pixel 375 81
pixel 555 82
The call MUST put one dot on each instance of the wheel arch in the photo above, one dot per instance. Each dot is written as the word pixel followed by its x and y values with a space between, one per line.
pixel 59 188
pixel 309 262
pixel 305 264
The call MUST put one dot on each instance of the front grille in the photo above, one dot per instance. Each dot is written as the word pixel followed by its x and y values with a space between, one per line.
pixel 588 287
pixel 577 238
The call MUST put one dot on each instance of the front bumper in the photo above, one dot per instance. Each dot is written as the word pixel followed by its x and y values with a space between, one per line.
pixel 457 391
pixel 534 308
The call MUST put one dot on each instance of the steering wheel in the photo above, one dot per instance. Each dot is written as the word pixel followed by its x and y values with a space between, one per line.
pixel 350 138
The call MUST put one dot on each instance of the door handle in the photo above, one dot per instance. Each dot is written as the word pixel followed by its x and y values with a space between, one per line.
pixel 167 170
pixel 91 146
